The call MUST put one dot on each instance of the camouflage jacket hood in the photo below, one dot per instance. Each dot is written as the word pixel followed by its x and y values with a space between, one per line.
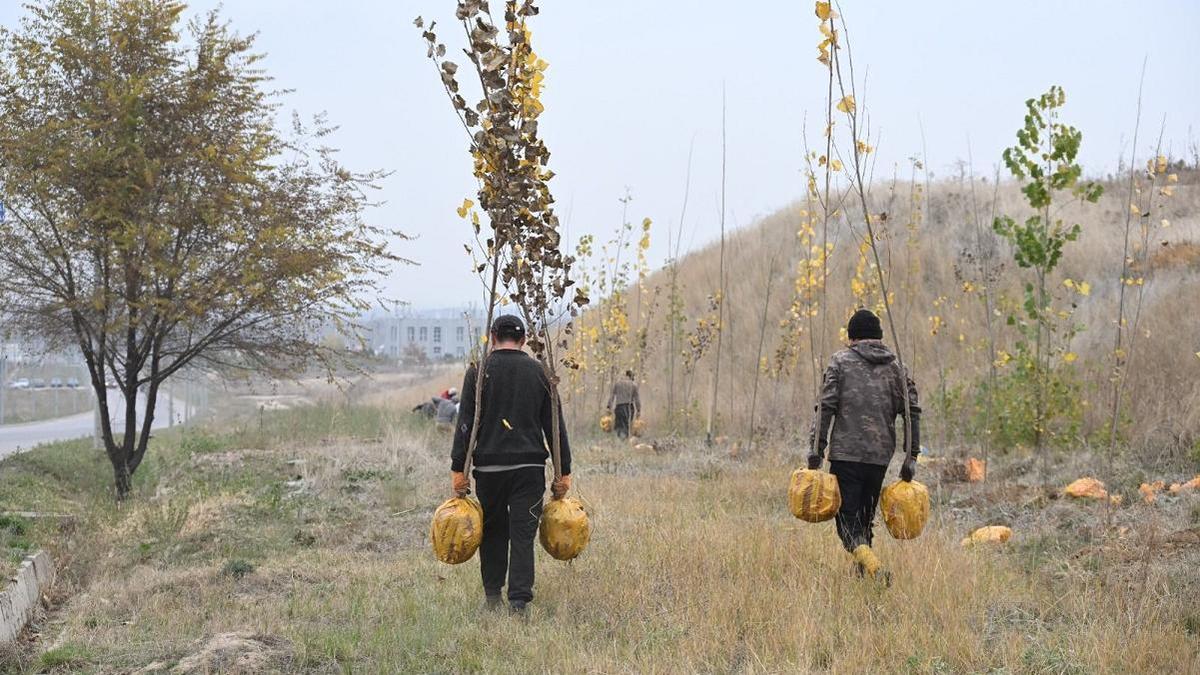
pixel 861 396
pixel 873 352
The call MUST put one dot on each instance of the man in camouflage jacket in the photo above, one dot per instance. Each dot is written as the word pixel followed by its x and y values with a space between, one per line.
pixel 861 396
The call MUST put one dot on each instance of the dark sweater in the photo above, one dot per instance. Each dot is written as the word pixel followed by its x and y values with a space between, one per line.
pixel 515 427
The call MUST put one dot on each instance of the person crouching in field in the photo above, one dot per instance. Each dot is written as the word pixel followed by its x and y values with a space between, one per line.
pixel 861 396
pixel 510 455
pixel 447 409
pixel 625 404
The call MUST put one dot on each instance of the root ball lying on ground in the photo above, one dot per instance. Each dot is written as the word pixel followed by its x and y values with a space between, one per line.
pixel 989 534
pixel 457 530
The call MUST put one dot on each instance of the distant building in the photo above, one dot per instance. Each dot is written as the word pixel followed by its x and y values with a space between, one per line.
pixel 438 335
pixel 28 352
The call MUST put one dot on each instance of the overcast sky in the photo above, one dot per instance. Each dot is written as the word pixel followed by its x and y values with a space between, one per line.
pixel 632 83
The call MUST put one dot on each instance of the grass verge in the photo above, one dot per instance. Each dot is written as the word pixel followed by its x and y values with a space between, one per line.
pixel 305 532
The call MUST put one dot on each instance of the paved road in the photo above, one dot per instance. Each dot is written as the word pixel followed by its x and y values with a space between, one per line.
pixel 16 438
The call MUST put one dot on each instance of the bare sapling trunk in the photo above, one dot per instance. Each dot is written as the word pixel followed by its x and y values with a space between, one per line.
pixel 860 190
pixel 762 337
pixel 712 409
pixel 982 256
pixel 1119 338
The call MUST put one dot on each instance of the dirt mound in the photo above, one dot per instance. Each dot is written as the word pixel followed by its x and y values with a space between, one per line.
pixel 230 653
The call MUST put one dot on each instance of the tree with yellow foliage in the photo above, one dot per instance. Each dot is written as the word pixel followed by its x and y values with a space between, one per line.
pixel 157 220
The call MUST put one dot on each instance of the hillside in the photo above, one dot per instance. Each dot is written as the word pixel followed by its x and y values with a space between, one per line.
pixel 932 248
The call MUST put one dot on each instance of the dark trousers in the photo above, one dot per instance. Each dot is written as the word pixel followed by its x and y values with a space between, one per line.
pixel 624 417
pixel 860 485
pixel 512 505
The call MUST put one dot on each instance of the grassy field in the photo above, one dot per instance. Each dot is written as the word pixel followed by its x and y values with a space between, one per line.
pixel 297 542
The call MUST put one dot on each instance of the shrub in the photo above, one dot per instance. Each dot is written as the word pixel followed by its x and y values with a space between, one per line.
pixel 237 568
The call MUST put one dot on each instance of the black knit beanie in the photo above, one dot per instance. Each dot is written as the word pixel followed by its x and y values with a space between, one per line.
pixel 864 325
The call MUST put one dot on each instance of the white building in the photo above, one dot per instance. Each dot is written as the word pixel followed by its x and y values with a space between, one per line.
pixel 439 335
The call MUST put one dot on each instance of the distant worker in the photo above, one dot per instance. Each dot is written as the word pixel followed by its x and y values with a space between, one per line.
pixel 861 396
pixel 515 429
pixel 625 404
pixel 447 410
pixel 428 408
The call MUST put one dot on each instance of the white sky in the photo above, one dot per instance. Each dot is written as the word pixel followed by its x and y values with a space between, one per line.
pixel 633 82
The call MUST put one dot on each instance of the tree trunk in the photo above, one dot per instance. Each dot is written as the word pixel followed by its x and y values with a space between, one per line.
pixel 123 478
pixel 143 441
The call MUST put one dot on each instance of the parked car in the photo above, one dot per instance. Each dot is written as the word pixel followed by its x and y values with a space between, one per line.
pixel 73 382
pixel 56 383
pixel 22 383
pixel 37 383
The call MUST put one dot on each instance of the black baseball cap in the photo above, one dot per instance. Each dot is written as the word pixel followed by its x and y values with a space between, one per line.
pixel 508 324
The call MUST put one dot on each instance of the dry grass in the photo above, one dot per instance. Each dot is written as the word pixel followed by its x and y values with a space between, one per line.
pixel 1163 389
pixel 695 566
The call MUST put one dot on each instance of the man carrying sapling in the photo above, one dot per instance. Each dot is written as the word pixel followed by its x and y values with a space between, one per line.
pixel 509 461
pixel 861 396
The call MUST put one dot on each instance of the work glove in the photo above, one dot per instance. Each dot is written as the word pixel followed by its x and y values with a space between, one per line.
pixel 459 484
pixel 560 486
pixel 814 461
pixel 908 469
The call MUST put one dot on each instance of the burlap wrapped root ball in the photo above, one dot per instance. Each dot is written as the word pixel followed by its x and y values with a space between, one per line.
pixel 813 495
pixel 565 529
pixel 989 534
pixel 905 507
pixel 456 530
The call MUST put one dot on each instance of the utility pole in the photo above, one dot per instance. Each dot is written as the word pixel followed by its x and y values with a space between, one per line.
pixel 3 381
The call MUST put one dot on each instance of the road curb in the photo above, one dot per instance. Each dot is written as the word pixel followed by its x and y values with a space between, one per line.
pixel 21 599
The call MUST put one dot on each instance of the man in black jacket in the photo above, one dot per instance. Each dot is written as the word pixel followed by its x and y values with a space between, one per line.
pixel 515 428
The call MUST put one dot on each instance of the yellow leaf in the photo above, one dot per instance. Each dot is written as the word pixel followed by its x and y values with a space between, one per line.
pixel 824 11
pixel 1198 355
pixel 836 165
pixel 1166 223
pixel 466 206
pixel 1084 288
pixel 1070 357
pixel 1173 178
pixel 846 105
